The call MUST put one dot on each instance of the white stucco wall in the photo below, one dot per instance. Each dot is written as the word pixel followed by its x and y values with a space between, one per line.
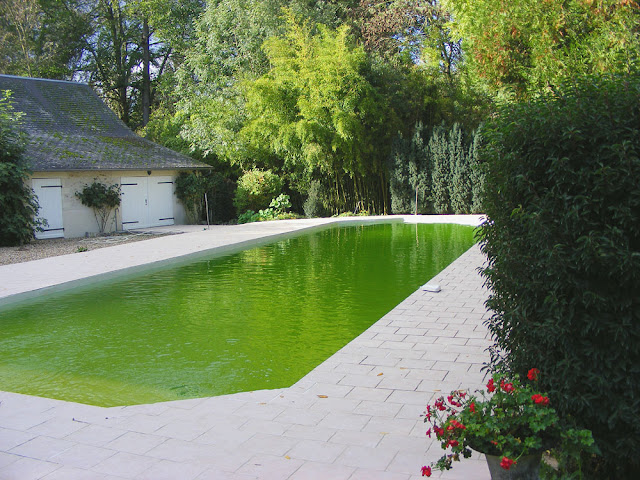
pixel 80 220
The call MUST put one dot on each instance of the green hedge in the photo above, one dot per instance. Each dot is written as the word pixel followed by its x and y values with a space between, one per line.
pixel 18 204
pixel 563 242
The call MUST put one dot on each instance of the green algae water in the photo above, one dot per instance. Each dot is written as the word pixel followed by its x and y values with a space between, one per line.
pixel 258 319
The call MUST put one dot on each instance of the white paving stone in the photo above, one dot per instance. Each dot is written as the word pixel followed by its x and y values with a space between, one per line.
pixel 356 416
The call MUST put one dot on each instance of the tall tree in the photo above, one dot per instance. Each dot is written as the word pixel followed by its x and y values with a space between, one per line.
pixel 42 38
pixel 131 49
pixel 316 110
pixel 114 56
pixel 520 47
pixel 410 30
pixel 227 51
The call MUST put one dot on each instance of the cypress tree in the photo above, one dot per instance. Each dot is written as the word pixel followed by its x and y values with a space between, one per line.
pixel 409 173
pixel 399 177
pixel 440 170
pixel 461 191
pixel 418 169
pixel 477 172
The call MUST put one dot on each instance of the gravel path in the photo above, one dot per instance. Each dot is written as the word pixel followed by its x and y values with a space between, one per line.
pixel 53 247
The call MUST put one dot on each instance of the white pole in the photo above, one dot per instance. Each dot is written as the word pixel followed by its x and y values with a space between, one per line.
pixel 206 204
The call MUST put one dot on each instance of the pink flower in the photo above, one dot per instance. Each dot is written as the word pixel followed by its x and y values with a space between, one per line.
pixel 429 433
pixel 426 471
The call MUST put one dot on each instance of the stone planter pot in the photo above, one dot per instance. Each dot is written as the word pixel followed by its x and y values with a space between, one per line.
pixel 527 468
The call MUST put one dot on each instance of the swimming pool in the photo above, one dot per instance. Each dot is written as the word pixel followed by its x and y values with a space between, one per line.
pixel 260 318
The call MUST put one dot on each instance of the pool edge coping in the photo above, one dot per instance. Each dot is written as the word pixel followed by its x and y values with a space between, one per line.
pixel 224 249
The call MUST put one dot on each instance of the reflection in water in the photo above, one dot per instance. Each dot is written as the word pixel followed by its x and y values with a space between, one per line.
pixel 257 319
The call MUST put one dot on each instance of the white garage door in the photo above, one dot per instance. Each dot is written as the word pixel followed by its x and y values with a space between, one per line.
pixel 146 202
pixel 49 193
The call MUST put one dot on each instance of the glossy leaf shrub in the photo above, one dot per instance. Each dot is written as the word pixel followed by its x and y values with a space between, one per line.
pixel 563 244
pixel 18 203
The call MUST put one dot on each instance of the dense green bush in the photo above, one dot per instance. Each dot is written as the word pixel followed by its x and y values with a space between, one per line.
pixel 191 188
pixel 563 247
pixel 440 170
pixel 18 204
pixel 456 177
pixel 410 174
pixel 277 211
pixel 314 206
pixel 443 175
pixel 255 189
pixel 102 199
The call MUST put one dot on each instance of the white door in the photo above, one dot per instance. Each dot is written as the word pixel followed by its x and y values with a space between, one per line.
pixel 161 200
pixel 49 193
pixel 135 204
pixel 146 202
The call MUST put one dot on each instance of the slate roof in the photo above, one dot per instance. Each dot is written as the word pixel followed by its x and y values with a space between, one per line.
pixel 70 128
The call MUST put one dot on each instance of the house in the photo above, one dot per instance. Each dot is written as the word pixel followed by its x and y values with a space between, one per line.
pixel 75 139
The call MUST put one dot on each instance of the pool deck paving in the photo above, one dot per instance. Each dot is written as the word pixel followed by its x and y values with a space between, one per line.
pixel 355 416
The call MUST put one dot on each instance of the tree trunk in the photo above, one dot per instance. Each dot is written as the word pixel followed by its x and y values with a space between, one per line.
pixel 146 77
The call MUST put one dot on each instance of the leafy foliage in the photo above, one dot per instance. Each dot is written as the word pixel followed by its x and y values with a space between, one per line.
pixel 563 245
pixel 316 110
pixel 191 188
pixel 512 419
pixel 456 174
pixel 18 204
pixel 522 47
pixel 410 176
pixel 227 51
pixel 441 170
pixel 102 199
pixel 406 30
pixel 32 33
pixel 313 205
pixel 255 188
pixel 277 211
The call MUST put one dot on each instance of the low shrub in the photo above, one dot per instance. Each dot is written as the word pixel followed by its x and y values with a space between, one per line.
pixel 102 199
pixel 563 244
pixel 255 189
pixel 277 211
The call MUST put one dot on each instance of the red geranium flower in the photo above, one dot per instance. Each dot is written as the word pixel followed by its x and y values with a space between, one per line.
pixel 533 374
pixel 426 471
pixel 507 387
pixel 457 424
pixel 472 407
pixel 506 463
pixel 539 399
pixel 490 386
pixel 439 404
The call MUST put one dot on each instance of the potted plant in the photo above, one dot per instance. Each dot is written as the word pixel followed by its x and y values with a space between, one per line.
pixel 512 423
